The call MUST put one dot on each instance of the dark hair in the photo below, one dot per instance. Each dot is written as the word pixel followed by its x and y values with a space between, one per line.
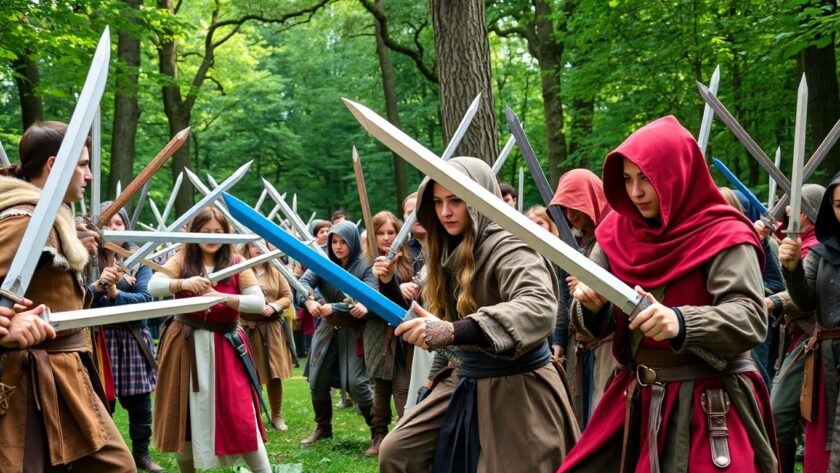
pixel 193 265
pixel 507 189
pixel 38 144
pixel 317 225
pixel 338 213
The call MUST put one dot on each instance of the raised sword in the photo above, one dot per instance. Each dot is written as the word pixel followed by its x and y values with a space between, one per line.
pixel 794 229
pixel 221 274
pixel 708 113
pixel 19 275
pixel 363 201
pixel 177 237
pixel 119 314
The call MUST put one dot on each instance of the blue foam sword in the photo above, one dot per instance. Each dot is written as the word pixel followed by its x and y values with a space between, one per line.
pixel 744 190
pixel 323 267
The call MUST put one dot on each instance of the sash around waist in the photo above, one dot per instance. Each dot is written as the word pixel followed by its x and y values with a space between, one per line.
pixel 480 365
pixel 201 324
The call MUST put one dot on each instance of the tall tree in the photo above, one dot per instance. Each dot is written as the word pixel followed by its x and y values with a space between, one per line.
pixel 126 109
pixel 463 63
pixel 27 77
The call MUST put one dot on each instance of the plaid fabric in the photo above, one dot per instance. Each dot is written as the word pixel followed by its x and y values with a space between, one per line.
pixel 132 374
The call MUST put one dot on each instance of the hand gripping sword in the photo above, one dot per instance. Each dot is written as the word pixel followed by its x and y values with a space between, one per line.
pixel 572 261
pixel 23 266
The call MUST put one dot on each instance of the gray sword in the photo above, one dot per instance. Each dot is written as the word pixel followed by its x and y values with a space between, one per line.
pixel 178 237
pixel 186 217
pixel 294 203
pixel 156 213
pixel 130 312
pixel 260 200
pixel 118 190
pixel 4 158
pixel 361 186
pixel 396 245
pixel 23 265
pixel 295 221
pixel 138 209
pixel 311 218
pixel 520 202
pixel 500 161
pixel 816 159
pixel 171 202
pixel 96 166
pixel 708 113
pixel 242 266
pixel 771 185
pixel 572 261
pixel 752 147
pixel 798 158
pixel 537 174
pixel 163 251
pixel 242 229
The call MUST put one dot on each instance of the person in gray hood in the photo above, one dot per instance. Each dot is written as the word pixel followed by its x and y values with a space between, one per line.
pixel 336 357
pixel 814 284
pixel 505 406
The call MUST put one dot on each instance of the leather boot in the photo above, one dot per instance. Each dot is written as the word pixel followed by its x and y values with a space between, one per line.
pixel 376 431
pixel 145 462
pixel 787 456
pixel 323 419
pixel 141 435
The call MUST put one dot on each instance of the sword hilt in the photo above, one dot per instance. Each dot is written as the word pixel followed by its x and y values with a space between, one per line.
pixel 9 299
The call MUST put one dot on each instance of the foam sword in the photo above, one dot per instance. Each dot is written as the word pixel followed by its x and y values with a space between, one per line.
pixel 556 250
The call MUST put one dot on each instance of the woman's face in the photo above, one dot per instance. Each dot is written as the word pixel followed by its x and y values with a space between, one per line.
pixel 340 248
pixel 640 190
pixel 323 233
pixel 211 226
pixel 385 235
pixel 835 202
pixel 451 210
pixel 253 251
pixel 116 224
pixel 539 220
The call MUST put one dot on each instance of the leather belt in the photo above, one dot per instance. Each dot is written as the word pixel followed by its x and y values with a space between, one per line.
pixel 191 323
pixel 134 329
pixel 811 350
pixel 654 368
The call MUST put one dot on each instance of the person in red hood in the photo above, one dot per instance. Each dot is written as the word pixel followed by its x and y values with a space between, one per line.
pixel 672 233
pixel 580 196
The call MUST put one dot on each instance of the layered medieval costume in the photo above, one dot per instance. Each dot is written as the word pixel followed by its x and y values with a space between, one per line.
pixel 471 420
pixel 669 409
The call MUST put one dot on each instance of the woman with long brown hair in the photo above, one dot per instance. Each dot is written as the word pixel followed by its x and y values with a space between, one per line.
pixel 496 299
pixel 386 358
pixel 268 334
pixel 207 410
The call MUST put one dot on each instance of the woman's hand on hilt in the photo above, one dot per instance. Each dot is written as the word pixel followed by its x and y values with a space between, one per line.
pixel 196 285
pixel 384 269
pixel 427 331
pixel 790 253
pixel 588 298
pixel 658 322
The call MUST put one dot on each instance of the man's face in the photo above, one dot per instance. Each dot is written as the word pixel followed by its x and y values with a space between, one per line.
pixel 80 179
pixel 510 200
pixel 417 230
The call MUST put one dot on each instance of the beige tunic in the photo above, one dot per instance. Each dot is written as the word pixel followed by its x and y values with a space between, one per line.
pixel 269 345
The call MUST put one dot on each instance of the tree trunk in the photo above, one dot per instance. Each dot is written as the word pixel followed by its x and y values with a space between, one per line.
pixel 583 109
pixel 390 89
pixel 463 61
pixel 27 77
pixel 126 110
pixel 177 114
pixel 550 60
pixel 820 65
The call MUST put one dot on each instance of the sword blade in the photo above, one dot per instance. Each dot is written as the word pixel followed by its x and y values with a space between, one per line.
pixel 4 158
pixel 198 207
pixel 798 157
pixel 322 266
pixel 482 200
pixel 171 202
pixel 261 200
pixel 520 202
pixel 771 186
pixel 138 209
pixel 539 177
pixel 733 179
pixel 242 266
pixel 96 164
pixel 363 201
pixel 130 312
pixel 23 266
pixel 708 114
pixel 156 213
pixel 463 126
pixel 500 161
pixel 177 237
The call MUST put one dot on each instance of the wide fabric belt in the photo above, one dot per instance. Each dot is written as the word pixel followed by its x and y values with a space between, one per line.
pixel 654 368
pixel 809 385
pixel 458 444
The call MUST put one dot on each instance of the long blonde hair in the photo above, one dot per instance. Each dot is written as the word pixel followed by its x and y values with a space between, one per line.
pixel 436 293
pixel 404 269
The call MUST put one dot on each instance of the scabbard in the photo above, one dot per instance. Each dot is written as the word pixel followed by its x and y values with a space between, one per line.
pixel 806 394
pixel 241 349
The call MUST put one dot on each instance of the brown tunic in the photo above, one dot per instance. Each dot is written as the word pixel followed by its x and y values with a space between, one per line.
pixel 77 424
pixel 269 343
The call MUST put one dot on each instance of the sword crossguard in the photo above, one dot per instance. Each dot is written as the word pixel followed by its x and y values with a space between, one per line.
pixel 641 305
pixel 12 297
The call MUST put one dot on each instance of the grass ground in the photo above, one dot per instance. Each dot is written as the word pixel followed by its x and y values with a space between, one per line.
pixel 343 453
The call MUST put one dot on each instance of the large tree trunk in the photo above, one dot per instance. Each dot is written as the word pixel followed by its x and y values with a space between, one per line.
pixel 390 89
pixel 583 110
pixel 550 60
pixel 463 61
pixel 27 77
pixel 177 113
pixel 126 110
pixel 820 66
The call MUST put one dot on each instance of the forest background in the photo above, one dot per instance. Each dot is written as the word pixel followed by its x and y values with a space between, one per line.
pixel 262 79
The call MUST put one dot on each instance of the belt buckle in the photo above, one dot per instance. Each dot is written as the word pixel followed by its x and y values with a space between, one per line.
pixel 646 376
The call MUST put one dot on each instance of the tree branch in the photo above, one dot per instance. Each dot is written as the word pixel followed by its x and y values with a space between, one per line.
pixel 415 55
